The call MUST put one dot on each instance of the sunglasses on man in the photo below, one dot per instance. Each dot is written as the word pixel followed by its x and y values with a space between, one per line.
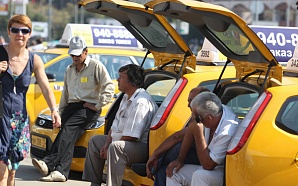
pixel 17 30
pixel 71 55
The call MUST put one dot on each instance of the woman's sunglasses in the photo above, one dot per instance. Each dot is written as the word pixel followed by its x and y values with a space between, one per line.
pixel 17 30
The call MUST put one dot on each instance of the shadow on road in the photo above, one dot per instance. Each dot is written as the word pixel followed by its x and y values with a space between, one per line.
pixel 30 173
pixel 73 175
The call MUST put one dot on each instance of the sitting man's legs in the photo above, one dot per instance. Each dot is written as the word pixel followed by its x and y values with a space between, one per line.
pixel 196 175
pixel 183 176
pixel 171 155
pixel 94 164
pixel 202 177
pixel 122 154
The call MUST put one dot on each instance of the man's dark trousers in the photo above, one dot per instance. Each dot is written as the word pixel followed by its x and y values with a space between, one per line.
pixel 171 155
pixel 75 119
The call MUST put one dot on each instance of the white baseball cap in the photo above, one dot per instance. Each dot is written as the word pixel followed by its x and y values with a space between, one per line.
pixel 76 46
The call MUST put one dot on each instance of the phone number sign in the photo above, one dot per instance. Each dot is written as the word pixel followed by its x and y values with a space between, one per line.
pixel 281 41
pixel 113 36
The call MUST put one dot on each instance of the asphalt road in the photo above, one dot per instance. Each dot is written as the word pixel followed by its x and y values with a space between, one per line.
pixel 27 175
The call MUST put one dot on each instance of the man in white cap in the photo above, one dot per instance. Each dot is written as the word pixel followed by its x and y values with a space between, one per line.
pixel 87 88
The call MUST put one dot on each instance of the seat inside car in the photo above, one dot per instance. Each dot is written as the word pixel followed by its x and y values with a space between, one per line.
pixel 239 96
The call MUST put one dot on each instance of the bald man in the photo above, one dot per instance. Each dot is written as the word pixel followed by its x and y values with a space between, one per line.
pixel 168 151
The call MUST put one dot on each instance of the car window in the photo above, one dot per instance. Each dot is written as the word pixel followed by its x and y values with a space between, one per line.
pixel 160 89
pixel 236 96
pixel 167 101
pixel 59 68
pixel 210 84
pixel 148 64
pixel 113 63
pixel 159 83
pixel 154 33
pixel 242 104
pixel 287 117
pixel 239 96
pixel 94 56
pixel 45 57
pixel 239 101
pixel 234 39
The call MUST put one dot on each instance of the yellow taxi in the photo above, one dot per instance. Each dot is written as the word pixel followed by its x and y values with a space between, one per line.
pixel 261 93
pixel 113 57
pixel 263 150
pixel 172 60
pixel 56 60
pixel 176 70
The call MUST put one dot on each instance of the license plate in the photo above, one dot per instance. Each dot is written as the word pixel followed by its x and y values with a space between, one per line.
pixel 39 142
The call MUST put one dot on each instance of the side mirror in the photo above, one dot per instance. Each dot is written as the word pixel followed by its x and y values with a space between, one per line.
pixel 51 77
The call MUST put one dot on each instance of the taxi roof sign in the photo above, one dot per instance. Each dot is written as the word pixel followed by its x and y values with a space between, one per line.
pixel 100 35
pixel 292 64
pixel 209 53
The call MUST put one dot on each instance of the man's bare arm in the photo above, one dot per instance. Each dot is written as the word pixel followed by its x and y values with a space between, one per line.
pixel 202 147
pixel 170 142
pixel 161 149
pixel 185 146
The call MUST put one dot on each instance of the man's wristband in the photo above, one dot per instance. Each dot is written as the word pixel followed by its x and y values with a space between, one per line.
pixel 54 109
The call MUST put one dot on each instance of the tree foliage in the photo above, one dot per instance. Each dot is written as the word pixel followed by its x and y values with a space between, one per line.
pixel 63 12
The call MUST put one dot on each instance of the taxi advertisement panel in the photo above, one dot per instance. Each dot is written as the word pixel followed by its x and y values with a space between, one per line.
pixel 100 35
pixel 281 41
pixel 113 36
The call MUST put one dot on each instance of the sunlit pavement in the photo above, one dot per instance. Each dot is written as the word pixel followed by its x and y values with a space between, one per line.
pixel 27 175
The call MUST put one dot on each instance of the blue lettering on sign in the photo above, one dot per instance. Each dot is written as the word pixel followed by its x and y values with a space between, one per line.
pixel 113 36
pixel 281 41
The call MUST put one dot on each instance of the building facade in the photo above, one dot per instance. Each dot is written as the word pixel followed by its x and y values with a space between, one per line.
pixel 260 12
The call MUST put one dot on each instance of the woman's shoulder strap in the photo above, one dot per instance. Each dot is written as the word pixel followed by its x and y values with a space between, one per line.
pixel 3 54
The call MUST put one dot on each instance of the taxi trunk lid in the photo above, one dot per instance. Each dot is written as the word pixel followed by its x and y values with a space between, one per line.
pixel 253 61
pixel 152 31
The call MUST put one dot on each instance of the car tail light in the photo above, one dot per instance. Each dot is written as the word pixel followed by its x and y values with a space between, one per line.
pixel 167 105
pixel 246 126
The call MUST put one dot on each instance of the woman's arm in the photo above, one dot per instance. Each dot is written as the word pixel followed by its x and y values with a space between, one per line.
pixel 48 94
